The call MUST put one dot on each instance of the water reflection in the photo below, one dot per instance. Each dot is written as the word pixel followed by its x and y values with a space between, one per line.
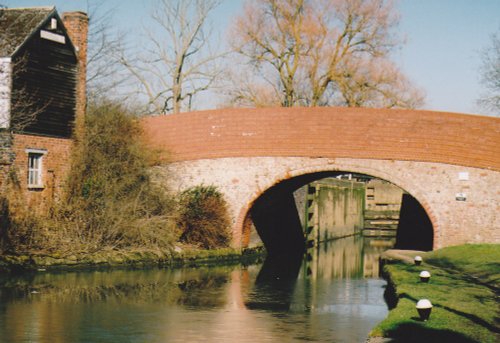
pixel 325 298
pixel 275 283
pixel 350 257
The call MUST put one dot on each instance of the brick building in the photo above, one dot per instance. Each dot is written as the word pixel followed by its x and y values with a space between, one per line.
pixel 42 97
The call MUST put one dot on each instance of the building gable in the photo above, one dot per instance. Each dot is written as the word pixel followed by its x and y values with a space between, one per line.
pixel 43 72
pixel 18 24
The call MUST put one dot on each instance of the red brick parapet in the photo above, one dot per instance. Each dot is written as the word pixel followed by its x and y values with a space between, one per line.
pixel 406 135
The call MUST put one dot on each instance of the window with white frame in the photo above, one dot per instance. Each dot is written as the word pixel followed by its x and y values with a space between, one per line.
pixel 35 168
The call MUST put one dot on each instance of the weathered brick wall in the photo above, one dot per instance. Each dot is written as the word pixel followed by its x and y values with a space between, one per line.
pixel 246 151
pixel 56 164
pixel 434 185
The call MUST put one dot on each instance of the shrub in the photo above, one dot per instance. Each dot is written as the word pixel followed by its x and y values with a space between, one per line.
pixel 110 200
pixel 204 218
pixel 19 227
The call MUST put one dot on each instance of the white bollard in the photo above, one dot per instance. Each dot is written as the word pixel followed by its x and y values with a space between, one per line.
pixel 424 308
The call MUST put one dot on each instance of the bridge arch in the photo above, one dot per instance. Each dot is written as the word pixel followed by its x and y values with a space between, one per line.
pixel 311 173
pixel 449 162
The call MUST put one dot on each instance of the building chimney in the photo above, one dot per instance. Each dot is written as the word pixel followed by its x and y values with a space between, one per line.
pixel 76 24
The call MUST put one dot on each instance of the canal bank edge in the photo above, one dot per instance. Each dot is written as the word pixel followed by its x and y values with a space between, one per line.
pixel 129 259
pixel 391 256
pixel 460 276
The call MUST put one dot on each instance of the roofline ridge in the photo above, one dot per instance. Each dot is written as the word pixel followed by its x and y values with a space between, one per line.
pixel 53 11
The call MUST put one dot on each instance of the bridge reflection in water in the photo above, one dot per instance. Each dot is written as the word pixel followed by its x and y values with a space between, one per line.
pixel 331 295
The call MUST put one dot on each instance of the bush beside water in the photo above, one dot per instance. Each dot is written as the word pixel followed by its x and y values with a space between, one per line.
pixel 203 218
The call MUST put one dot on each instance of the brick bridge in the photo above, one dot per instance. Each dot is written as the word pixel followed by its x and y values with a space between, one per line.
pixel 433 156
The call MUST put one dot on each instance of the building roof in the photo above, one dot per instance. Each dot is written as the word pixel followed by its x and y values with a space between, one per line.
pixel 18 24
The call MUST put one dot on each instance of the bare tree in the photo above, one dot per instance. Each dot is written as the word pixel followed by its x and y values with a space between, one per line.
pixel 323 52
pixel 244 88
pixel 375 83
pixel 178 62
pixel 104 74
pixel 490 76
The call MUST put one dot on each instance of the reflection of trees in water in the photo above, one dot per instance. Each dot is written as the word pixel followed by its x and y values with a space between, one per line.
pixel 84 293
pixel 174 287
pixel 52 307
pixel 78 307
pixel 207 291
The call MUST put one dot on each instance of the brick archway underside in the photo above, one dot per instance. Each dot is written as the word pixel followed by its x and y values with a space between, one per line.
pixel 244 223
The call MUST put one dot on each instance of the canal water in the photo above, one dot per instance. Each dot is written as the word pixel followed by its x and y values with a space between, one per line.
pixel 332 294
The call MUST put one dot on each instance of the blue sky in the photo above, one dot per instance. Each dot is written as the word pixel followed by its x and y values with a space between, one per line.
pixel 441 54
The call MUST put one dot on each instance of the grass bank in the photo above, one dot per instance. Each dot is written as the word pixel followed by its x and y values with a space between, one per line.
pixel 464 290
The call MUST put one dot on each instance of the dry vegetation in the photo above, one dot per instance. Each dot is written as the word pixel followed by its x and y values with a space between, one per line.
pixel 111 202
pixel 203 218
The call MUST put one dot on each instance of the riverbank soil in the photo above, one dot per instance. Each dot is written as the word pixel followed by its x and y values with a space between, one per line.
pixel 464 290
pixel 187 256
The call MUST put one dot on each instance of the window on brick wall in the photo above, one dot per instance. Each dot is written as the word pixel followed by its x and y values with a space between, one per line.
pixel 35 168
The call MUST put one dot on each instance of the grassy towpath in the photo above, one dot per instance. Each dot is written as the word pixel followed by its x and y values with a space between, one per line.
pixel 464 289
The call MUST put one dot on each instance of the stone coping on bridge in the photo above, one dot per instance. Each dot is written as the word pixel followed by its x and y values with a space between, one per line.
pixel 332 132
